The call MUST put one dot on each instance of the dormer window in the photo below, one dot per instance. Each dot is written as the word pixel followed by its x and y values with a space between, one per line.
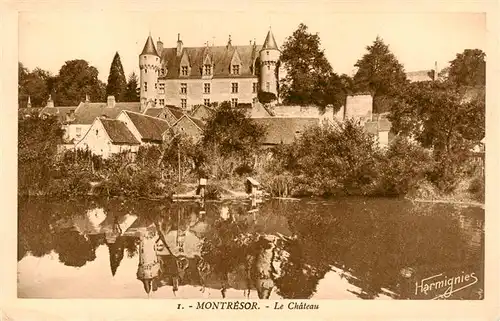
pixel 236 69
pixel 184 70
pixel 208 70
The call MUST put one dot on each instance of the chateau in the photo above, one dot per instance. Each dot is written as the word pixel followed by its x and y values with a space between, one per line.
pixel 190 76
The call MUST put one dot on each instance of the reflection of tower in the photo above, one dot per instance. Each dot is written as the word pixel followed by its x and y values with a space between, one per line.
pixel 149 266
pixel 116 251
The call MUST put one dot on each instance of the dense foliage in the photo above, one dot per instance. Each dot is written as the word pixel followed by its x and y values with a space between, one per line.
pixel 117 83
pixel 132 90
pixel 75 80
pixel 36 84
pixel 310 79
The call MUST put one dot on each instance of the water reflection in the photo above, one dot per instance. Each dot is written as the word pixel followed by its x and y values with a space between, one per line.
pixel 366 248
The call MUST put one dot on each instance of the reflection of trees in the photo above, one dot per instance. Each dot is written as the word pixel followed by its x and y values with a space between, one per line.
pixel 34 234
pixel 374 242
pixel 74 248
pixel 131 245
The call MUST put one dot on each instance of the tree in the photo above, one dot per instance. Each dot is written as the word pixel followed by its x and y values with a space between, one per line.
pixel 379 72
pixel 117 84
pixel 131 93
pixel 310 78
pixel 75 80
pixel 446 118
pixel 468 68
pixel 230 131
pixel 35 84
pixel 37 147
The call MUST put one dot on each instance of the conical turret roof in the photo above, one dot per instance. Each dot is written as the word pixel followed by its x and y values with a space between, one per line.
pixel 149 48
pixel 270 43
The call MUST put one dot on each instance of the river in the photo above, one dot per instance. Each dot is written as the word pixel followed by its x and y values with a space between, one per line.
pixel 346 248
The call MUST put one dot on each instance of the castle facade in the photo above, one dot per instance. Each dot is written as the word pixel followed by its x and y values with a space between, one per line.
pixel 189 76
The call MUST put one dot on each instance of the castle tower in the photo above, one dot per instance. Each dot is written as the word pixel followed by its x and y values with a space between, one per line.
pixel 149 265
pixel 149 64
pixel 269 57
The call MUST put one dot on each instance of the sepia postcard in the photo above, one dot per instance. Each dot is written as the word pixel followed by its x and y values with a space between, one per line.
pixel 256 160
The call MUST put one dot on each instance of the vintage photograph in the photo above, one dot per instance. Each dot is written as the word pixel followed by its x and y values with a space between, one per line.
pixel 251 155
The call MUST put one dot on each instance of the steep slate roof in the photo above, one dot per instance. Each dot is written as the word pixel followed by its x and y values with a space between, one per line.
pixel 118 132
pixel 63 113
pixel 150 128
pixel 270 43
pixel 284 129
pixel 153 111
pixel 177 112
pixel 220 56
pixel 87 112
pixel 199 107
pixel 196 121
pixel 420 75
pixel 149 48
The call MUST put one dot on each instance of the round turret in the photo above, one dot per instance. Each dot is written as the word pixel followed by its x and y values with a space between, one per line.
pixel 269 58
pixel 149 64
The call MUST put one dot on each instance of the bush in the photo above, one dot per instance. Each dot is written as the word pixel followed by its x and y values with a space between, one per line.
pixel 335 160
pixel 476 188
pixel 266 97
pixel 404 167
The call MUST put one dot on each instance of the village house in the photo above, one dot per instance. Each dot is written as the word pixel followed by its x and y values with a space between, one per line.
pixel 188 125
pixel 106 137
pixel 146 129
pixel 64 114
pixel 202 112
pixel 86 113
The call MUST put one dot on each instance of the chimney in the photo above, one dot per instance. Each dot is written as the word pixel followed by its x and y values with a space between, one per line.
pixel 159 46
pixel 50 102
pixel 179 45
pixel 29 102
pixel 87 99
pixel 111 101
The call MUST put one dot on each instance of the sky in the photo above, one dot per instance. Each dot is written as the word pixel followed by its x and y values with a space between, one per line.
pixel 48 38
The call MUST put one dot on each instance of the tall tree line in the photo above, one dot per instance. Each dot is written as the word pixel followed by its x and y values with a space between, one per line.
pixel 75 80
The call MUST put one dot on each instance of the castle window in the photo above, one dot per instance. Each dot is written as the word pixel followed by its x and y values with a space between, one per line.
pixel 254 87
pixel 268 86
pixel 145 86
pixel 206 102
pixel 183 88
pixel 184 103
pixel 267 52
pixel 236 69
pixel 162 71
pixel 162 88
pixel 156 85
pixel 162 102
pixel 234 102
pixel 184 70
pixel 268 67
pixel 206 88
pixel 234 87
pixel 97 132
pixel 156 101
pixel 208 70
pixel 146 70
